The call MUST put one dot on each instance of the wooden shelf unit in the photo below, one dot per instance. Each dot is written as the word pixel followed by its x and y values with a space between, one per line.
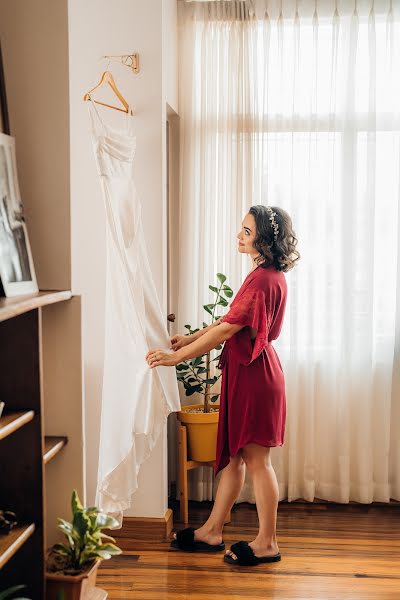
pixel 40 383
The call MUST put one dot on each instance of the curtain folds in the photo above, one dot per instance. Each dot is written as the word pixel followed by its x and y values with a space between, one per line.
pixel 298 105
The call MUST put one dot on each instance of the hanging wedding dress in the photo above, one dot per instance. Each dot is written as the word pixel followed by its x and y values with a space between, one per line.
pixel 136 400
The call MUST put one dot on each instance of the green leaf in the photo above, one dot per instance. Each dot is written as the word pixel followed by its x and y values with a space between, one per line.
pixel 213 288
pixel 92 510
pixel 76 504
pixel 193 389
pixel 228 293
pixel 65 530
pixel 87 556
pixel 65 524
pixel 223 302
pixel 214 398
pixel 81 524
pixel 221 277
pixel 11 591
pixel 187 327
pixel 205 324
pixel 182 367
pixel 62 549
pixel 197 361
pixel 218 347
pixel 111 548
pixel 103 554
pixel 104 536
pixel 210 381
pixel 105 521
pixel 207 309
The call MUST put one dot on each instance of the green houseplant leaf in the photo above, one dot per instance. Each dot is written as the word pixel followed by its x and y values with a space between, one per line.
pixel 11 591
pixel 195 374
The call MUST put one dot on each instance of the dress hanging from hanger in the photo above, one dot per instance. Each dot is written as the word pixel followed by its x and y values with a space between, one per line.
pixel 136 400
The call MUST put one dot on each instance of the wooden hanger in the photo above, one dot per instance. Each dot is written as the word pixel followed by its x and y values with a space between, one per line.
pixel 107 78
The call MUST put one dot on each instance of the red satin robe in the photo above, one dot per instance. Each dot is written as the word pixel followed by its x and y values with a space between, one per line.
pixel 253 401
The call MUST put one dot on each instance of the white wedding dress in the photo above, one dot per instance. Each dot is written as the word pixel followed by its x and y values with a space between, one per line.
pixel 136 399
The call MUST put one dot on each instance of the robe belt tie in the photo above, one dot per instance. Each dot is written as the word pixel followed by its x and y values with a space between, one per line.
pixel 223 359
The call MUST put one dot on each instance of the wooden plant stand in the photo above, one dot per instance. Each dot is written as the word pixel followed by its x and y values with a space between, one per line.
pixel 186 465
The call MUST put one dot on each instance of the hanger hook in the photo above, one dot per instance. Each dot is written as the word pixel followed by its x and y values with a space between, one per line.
pixel 108 61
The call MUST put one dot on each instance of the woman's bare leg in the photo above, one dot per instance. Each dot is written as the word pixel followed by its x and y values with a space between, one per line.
pixel 266 491
pixel 229 488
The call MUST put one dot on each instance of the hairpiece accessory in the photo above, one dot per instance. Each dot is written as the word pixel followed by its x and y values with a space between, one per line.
pixel 274 224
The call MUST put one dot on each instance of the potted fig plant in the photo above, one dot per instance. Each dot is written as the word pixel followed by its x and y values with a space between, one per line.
pixel 201 420
pixel 71 568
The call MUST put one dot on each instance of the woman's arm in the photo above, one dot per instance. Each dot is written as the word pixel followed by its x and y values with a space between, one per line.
pixel 201 332
pixel 210 337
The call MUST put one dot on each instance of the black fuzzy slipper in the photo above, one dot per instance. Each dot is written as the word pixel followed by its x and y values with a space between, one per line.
pixel 185 541
pixel 246 556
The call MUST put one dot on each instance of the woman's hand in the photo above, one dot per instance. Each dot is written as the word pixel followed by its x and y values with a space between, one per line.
pixel 179 341
pixel 156 358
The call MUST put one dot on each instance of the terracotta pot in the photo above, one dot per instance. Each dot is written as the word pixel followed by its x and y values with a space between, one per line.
pixel 201 432
pixel 71 587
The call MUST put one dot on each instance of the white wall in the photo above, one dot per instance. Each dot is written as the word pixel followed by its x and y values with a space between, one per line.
pixel 34 38
pixel 170 52
pixel 97 28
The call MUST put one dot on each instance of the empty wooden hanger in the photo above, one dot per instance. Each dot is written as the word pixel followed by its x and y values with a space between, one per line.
pixel 107 78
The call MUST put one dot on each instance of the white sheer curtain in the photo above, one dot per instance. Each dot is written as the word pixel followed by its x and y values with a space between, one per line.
pixel 299 106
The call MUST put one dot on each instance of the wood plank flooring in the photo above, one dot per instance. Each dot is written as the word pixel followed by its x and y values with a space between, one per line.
pixel 329 552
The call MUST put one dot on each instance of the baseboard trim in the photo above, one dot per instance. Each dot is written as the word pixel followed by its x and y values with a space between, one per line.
pixel 142 529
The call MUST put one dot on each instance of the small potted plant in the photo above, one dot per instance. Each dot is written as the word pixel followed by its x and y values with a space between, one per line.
pixel 201 420
pixel 71 568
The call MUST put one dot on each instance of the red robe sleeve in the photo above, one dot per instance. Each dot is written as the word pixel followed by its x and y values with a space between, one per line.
pixel 248 310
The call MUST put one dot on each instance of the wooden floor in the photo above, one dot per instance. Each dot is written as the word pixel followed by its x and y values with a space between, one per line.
pixel 329 552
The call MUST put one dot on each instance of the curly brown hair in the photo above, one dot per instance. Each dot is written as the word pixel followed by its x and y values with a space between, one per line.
pixel 282 253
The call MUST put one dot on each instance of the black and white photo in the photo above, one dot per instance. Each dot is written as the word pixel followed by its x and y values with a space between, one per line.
pixel 16 265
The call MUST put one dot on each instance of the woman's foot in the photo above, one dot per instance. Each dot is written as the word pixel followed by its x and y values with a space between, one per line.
pixel 260 548
pixel 204 534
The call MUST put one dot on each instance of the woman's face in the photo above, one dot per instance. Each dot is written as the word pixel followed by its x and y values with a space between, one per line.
pixel 247 235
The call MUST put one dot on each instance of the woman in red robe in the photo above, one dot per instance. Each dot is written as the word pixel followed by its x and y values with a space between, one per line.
pixel 252 412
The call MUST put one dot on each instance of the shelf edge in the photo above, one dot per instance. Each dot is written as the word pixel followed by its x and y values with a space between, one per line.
pixel 16 544
pixel 15 424
pixel 17 305
pixel 54 450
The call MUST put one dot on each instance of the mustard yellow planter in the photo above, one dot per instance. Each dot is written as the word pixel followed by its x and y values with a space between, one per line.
pixel 202 432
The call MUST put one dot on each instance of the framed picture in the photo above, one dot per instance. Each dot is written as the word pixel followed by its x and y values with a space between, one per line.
pixel 16 265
